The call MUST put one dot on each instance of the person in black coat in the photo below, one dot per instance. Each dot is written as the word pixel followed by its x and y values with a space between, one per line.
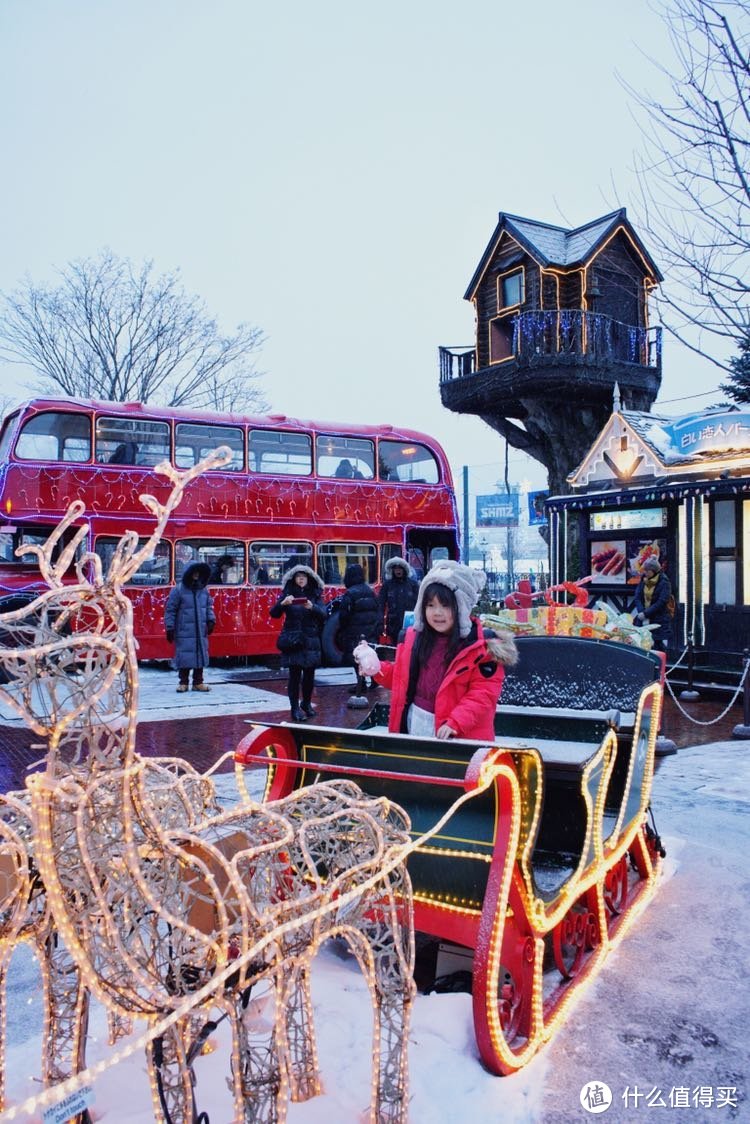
pixel 652 601
pixel 398 594
pixel 302 608
pixel 359 618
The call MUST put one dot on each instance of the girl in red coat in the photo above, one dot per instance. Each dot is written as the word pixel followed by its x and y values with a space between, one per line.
pixel 447 676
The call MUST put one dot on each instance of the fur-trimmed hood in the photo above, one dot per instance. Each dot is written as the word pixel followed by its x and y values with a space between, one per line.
pixel 201 569
pixel 310 574
pixel 502 646
pixel 391 565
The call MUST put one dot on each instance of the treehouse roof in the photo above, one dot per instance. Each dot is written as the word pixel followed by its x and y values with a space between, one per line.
pixel 556 247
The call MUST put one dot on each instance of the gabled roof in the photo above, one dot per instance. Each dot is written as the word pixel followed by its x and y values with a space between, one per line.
pixel 556 246
pixel 635 444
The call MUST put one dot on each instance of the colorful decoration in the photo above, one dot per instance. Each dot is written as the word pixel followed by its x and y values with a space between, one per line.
pixel 554 619
pixel 165 908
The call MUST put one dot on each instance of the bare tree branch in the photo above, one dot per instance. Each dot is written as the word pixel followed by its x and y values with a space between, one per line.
pixel 694 190
pixel 111 331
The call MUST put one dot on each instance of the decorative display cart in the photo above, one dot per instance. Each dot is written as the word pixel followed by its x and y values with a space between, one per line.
pixel 542 873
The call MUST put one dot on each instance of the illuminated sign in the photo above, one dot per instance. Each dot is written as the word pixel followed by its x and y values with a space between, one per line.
pixel 698 434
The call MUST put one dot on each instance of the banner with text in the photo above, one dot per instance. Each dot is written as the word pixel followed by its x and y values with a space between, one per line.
pixel 498 510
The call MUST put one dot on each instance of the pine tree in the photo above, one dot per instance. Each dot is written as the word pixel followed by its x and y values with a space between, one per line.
pixel 738 386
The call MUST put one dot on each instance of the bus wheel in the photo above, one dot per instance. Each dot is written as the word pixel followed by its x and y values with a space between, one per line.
pixel 332 653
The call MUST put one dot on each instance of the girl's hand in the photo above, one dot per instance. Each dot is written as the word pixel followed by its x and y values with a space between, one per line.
pixel 367 659
pixel 288 599
pixel 446 732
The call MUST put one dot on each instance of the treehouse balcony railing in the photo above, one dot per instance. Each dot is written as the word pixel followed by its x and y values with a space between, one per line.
pixel 550 337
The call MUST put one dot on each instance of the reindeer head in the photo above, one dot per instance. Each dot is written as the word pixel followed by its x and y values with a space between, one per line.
pixel 70 655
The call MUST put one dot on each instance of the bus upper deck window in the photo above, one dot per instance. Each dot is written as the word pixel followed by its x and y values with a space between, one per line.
pixel 195 440
pixel 407 461
pixel 131 441
pixel 280 452
pixel 55 436
pixel 345 458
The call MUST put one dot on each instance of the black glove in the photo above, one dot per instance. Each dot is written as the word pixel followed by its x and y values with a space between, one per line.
pixel 170 636
pixel 210 627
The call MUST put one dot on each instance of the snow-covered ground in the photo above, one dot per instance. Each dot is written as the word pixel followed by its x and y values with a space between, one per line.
pixel 667 1013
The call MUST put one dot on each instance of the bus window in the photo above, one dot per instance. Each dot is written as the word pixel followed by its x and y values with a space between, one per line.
pixel 224 557
pixel 7 546
pixel 279 452
pixel 227 562
pixel 275 558
pixel 6 435
pixel 415 558
pixel 154 571
pixel 334 557
pixel 347 458
pixel 131 441
pixel 55 436
pixel 193 442
pixel 404 461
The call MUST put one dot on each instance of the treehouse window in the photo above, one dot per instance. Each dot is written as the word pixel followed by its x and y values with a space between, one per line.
pixel 510 289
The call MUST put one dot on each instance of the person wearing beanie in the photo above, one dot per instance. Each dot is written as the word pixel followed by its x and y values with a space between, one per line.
pixel 652 602
pixel 301 605
pixel 359 618
pixel 398 594
pixel 448 673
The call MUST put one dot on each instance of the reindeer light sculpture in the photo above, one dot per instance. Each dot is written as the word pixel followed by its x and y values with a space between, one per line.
pixel 152 896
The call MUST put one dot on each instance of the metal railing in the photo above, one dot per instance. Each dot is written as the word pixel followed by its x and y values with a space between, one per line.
pixel 550 336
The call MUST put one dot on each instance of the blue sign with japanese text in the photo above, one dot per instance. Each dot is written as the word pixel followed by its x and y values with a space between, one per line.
pixel 724 430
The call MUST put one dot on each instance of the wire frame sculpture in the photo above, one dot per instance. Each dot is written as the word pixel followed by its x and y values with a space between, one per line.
pixel 159 900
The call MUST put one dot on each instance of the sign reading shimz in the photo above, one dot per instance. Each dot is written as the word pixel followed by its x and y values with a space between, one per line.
pixel 497 510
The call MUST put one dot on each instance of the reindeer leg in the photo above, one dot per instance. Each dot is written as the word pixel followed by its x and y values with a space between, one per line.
pixel 262 1067
pixel 384 946
pixel 171 1078
pixel 68 999
pixel 301 1047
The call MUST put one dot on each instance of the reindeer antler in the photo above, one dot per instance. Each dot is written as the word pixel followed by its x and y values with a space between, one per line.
pixel 53 572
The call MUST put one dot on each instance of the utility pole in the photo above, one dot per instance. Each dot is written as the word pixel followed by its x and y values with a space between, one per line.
pixel 465 540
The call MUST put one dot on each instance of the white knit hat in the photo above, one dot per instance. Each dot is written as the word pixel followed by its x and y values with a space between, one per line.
pixel 466 584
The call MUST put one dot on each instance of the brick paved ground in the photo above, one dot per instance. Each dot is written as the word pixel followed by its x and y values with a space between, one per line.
pixel 201 741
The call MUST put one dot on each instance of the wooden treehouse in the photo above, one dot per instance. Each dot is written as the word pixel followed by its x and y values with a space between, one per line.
pixel 561 316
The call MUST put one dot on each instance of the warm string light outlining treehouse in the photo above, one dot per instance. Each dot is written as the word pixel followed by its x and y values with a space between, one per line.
pixel 155 899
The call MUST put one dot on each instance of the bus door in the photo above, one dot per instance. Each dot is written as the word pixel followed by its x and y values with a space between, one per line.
pixel 426 546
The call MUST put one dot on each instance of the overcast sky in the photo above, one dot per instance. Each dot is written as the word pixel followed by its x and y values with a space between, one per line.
pixel 330 172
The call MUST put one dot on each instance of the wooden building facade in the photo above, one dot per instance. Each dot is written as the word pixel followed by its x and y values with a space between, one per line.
pixel 677 488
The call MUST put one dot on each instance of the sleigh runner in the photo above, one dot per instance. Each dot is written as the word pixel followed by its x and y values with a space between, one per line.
pixel 539 875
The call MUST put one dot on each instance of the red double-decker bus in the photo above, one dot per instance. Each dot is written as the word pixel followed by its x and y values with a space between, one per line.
pixel 295 492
